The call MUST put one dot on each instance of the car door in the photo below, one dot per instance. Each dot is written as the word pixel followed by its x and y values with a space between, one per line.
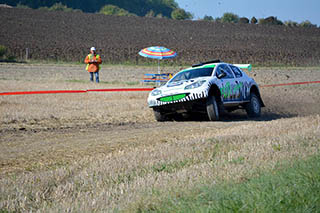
pixel 240 82
pixel 226 83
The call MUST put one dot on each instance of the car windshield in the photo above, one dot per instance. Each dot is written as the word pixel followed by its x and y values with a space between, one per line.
pixel 190 74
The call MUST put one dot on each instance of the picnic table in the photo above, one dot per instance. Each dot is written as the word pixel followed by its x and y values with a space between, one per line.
pixel 156 78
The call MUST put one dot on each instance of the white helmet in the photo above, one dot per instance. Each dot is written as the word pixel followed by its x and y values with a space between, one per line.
pixel 93 49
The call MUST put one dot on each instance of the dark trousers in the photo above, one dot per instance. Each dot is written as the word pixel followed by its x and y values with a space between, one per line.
pixel 96 74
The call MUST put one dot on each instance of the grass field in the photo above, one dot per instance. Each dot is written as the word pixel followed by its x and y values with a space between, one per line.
pixel 293 188
pixel 104 152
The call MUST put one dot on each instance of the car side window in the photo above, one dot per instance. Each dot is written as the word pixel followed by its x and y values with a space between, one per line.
pixel 224 68
pixel 237 72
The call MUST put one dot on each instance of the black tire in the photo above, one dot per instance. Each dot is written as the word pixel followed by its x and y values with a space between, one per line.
pixel 160 116
pixel 253 108
pixel 212 109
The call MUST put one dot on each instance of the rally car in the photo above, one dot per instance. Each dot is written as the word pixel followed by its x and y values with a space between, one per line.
pixel 211 88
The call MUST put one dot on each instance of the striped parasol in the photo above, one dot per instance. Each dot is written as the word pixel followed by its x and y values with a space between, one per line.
pixel 158 52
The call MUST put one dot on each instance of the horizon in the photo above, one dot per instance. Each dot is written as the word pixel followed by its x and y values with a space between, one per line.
pixel 297 11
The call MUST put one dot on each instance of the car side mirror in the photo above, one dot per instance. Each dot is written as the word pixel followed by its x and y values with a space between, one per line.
pixel 222 75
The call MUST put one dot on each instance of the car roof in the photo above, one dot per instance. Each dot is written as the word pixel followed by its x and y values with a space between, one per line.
pixel 206 65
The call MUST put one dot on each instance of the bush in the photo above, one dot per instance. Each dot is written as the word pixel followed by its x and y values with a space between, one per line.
pixel 4 55
pixel 181 14
pixel 3 51
pixel 244 20
pixel 253 20
pixel 230 18
pixel 208 18
pixel 271 20
pixel 115 10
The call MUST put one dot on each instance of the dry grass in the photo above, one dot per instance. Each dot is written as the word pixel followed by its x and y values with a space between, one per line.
pixel 140 174
pixel 104 151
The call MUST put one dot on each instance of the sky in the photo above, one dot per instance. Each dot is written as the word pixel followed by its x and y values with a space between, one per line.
pixel 284 10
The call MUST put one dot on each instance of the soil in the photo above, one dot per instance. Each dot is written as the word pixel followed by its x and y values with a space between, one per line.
pixel 68 36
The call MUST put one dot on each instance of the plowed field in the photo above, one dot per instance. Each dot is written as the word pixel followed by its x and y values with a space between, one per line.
pixel 68 36
pixel 105 152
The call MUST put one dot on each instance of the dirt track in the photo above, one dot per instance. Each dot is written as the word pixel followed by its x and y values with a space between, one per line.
pixel 98 133
pixel 79 117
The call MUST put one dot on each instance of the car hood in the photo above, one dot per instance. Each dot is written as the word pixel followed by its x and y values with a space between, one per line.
pixel 178 85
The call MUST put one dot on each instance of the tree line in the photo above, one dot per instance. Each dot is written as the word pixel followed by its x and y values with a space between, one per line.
pixel 147 8
pixel 156 8
pixel 271 20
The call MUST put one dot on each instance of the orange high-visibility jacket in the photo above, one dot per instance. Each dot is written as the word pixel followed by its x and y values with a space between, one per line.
pixel 93 62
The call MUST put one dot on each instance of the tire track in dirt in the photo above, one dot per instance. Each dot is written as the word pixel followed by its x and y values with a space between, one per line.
pixel 31 149
pixel 31 144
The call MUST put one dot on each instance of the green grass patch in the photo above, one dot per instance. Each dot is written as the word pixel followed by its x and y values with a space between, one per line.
pixel 291 188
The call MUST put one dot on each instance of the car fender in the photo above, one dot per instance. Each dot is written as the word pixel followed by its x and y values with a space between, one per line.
pixel 255 89
pixel 214 89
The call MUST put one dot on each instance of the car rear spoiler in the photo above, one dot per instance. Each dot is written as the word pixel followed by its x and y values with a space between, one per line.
pixel 207 62
pixel 244 66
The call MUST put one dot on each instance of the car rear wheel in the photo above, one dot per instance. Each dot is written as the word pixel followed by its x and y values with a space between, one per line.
pixel 212 108
pixel 253 108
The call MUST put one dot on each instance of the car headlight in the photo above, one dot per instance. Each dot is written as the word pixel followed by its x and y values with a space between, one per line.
pixel 156 92
pixel 195 84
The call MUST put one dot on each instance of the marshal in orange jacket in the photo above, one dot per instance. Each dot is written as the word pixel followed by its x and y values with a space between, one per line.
pixel 93 62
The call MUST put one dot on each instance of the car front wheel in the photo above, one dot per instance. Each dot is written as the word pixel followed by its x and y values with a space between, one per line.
pixel 253 108
pixel 212 108
pixel 159 116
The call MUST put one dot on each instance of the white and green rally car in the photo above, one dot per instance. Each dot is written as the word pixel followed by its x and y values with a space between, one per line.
pixel 209 88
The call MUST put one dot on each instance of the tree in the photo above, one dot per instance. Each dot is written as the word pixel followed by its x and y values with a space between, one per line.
pixel 208 18
pixel 181 14
pixel 307 24
pixel 114 10
pixel 230 18
pixel 253 20
pixel 138 7
pixel 218 19
pixel 22 6
pixel 171 3
pixel 291 23
pixel 151 13
pixel 59 7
